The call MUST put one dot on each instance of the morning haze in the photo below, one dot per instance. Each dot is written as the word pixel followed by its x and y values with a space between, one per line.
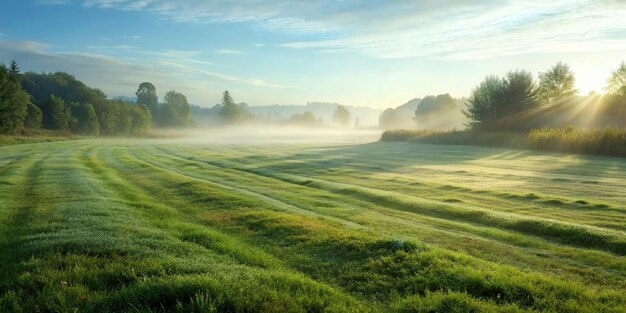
pixel 312 156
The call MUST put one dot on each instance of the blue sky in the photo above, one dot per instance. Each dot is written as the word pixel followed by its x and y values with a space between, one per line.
pixel 372 53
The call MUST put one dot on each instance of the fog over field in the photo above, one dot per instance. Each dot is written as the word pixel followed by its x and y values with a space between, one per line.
pixel 314 156
pixel 263 133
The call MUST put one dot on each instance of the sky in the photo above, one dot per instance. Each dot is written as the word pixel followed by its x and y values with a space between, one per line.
pixel 363 53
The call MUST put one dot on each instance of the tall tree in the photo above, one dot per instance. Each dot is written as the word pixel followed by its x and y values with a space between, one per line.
pixel 175 109
pixel 33 117
pixel 14 71
pixel 141 120
pixel 84 119
pixel 305 119
pixel 13 104
pixel 341 116
pixel 57 115
pixel 496 98
pixel 617 83
pixel 231 111
pixel 519 94
pixel 388 119
pixel 147 94
pixel 556 84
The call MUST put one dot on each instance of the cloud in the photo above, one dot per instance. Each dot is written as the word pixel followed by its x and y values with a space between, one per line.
pixel 52 2
pixel 208 74
pixel 118 76
pixel 520 27
pixel 117 47
pixel 278 16
pixel 445 29
pixel 131 37
pixel 228 51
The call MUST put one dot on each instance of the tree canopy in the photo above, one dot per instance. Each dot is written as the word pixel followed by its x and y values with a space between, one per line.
pixel 495 98
pixel 147 94
pixel 232 112
pixel 388 119
pixel 341 116
pixel 175 110
pixel 305 119
pixel 13 102
pixel 617 82
pixel 556 84
pixel 75 103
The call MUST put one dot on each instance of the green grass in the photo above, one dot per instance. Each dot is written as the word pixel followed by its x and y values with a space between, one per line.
pixel 16 140
pixel 115 225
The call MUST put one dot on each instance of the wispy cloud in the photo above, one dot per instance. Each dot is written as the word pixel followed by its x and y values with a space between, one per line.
pixel 118 76
pixel 450 29
pixel 209 74
pixel 117 47
pixel 52 2
pixel 228 51
pixel 278 16
pixel 515 28
pixel 131 37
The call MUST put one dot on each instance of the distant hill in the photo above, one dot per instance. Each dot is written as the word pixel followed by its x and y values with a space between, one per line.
pixel 403 117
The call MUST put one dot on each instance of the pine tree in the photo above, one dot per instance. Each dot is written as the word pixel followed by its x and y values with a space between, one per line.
pixel 13 104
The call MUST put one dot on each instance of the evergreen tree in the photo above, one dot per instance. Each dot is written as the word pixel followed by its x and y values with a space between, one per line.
pixel 231 111
pixel 13 104
pixel 14 72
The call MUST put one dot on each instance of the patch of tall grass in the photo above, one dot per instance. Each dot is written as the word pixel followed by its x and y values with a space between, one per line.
pixel 16 140
pixel 457 137
pixel 607 141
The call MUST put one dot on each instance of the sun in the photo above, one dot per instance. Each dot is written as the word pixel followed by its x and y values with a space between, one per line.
pixel 592 79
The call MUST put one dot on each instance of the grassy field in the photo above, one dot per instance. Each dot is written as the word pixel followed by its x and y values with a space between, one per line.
pixel 157 226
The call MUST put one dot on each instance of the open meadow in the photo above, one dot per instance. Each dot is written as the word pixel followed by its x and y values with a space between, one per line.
pixel 160 225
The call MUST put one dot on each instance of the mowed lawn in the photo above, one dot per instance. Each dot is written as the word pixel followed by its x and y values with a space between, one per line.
pixel 114 225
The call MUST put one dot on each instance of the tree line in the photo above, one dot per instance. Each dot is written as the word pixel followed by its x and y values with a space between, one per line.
pixel 231 112
pixel 34 102
pixel 517 101
pixel 514 101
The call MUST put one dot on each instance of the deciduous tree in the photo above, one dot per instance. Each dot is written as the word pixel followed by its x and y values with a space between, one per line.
pixel 341 116
pixel 556 84
pixel 617 83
